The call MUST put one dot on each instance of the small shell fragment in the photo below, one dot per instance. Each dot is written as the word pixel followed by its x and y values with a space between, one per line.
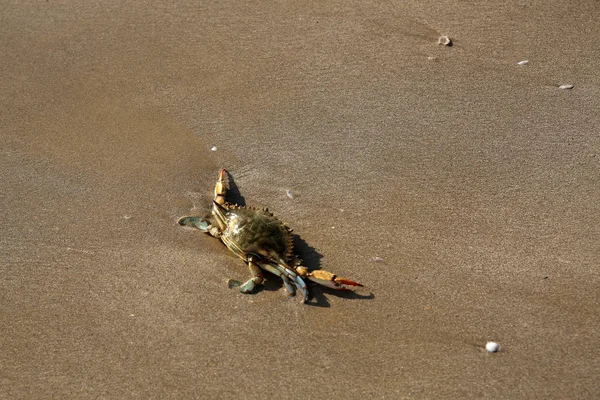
pixel 492 347
pixel 445 41
pixel 214 148
pixel 566 86
pixel 524 62
pixel 289 194
pixel 377 259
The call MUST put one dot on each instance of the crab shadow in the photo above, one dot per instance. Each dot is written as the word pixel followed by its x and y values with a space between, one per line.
pixel 233 192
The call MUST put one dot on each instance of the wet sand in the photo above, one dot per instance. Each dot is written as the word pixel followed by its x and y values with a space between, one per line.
pixel 460 187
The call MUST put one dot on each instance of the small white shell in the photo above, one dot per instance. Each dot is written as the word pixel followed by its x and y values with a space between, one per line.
pixel 492 347
pixel 445 41
pixel 289 194
pixel 566 86
pixel 214 148
pixel 523 62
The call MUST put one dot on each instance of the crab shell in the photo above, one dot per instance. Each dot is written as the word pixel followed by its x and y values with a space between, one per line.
pixel 257 232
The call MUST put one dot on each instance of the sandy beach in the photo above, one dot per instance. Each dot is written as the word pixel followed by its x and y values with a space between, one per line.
pixel 459 184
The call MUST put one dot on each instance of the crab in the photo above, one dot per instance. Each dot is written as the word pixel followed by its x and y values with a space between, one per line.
pixel 263 242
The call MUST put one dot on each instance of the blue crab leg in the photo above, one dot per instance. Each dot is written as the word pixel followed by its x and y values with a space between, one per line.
pixel 200 223
pixel 288 285
pixel 296 280
pixel 250 284
pixel 302 288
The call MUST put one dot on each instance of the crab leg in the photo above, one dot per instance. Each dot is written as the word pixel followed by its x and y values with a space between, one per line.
pixel 250 284
pixel 327 278
pixel 289 278
pixel 200 223
pixel 299 282
pixel 288 285
pixel 294 278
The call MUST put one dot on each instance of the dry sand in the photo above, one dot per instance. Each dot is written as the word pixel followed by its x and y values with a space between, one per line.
pixel 475 180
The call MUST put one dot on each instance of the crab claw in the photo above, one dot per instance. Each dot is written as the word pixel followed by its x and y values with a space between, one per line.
pixel 328 279
pixel 220 188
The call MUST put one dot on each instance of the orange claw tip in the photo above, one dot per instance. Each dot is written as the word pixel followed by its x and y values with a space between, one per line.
pixel 344 281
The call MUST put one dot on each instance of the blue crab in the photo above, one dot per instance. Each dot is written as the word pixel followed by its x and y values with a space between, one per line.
pixel 263 242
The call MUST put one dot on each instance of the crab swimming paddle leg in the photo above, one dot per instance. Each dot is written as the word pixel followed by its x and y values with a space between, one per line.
pixel 256 279
pixel 200 223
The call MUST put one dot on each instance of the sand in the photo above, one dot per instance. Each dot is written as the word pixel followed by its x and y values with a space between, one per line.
pixel 458 186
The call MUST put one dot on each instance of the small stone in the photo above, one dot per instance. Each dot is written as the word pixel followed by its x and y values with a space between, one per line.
pixel 492 347
pixel 214 148
pixel 127 217
pixel 445 41
pixel 524 62
pixel 289 194
pixel 566 86
pixel 377 259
